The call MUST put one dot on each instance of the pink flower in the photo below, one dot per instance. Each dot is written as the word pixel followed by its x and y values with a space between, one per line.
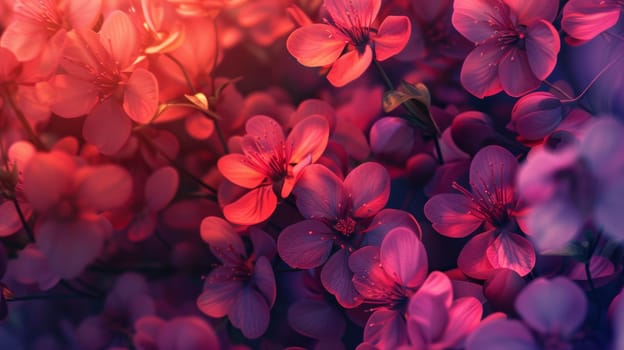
pixel 270 165
pixel 551 311
pixel 243 288
pixel 517 46
pixel 491 204
pixel 102 81
pixel 583 20
pixel 350 26
pixel 39 28
pixel 70 230
pixel 386 277
pixel 12 187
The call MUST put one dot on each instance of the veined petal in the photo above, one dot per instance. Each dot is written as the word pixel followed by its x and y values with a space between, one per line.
pixel 515 73
pixel 309 138
pixel 386 329
pixel 403 257
pixel 530 11
pixel 450 215
pixel 584 20
pixel 264 134
pixel 542 47
pixel 512 251
pixel 368 185
pixel 224 243
pixel 473 260
pixel 348 14
pixel 119 37
pixel 392 36
pixel 141 96
pixel 83 13
pixel 492 173
pixel 350 66
pixel 220 293
pixel 316 45
pixel 253 207
pixel 236 168
pixel 472 18
pixel 337 279
pixel 25 39
pixel 479 74
pixel 319 193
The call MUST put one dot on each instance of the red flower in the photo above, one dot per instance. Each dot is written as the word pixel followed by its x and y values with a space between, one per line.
pixel 350 25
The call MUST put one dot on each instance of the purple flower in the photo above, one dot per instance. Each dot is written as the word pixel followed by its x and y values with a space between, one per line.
pixel 492 205
pixel 243 288
pixel 341 216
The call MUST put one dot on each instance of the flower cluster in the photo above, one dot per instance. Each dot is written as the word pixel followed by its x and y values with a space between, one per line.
pixel 311 174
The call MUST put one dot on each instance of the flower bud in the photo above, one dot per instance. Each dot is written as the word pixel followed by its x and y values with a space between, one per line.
pixel 536 115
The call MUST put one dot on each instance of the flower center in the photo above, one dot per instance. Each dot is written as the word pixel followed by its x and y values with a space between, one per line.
pixel 346 226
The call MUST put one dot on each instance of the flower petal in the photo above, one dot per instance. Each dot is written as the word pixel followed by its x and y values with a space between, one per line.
pixel 220 292
pixel 73 97
pixel 385 329
pixel 309 138
pixel 556 306
pixel 502 334
pixel 368 185
pixel 529 11
pixel 515 73
pixel 353 13
pixel 237 168
pixel 118 36
pixel 141 96
pixel 107 127
pixel 104 187
pixel 584 20
pixel 512 251
pixel 403 256
pixel 316 45
pixel 47 177
pixel 265 280
pixel 319 193
pixel 337 279
pixel 253 207
pixel 464 316
pixel 160 188
pixel 479 74
pixel 224 243
pixel 542 47
pixel 392 36
pixel 450 214
pixel 473 260
pixel 305 244
pixel 472 18
pixel 350 66
pixel 250 313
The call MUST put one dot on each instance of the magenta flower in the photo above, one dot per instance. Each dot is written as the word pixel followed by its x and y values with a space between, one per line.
pixel 583 20
pixel 492 205
pixel 386 277
pixel 342 216
pixel 270 164
pixel 517 46
pixel 551 311
pixel 243 288
pixel 350 26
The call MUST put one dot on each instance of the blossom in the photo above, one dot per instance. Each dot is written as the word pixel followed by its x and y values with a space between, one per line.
pixel 350 26
pixel 243 288
pixel 270 164
pixel 39 28
pixel 551 311
pixel 386 277
pixel 492 203
pixel 516 45
pixel 102 82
